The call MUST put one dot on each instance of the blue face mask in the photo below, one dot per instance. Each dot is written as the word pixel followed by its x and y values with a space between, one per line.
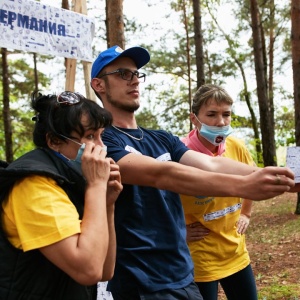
pixel 214 134
pixel 76 163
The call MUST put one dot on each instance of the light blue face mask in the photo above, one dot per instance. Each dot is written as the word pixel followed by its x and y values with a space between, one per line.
pixel 76 163
pixel 214 134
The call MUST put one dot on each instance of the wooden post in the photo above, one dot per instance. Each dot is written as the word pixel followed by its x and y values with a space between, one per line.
pixel 87 66
pixel 70 74
pixel 79 6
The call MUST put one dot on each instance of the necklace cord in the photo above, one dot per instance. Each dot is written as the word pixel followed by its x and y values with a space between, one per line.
pixel 133 137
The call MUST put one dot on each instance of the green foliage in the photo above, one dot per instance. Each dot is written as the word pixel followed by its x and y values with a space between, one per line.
pixel 22 127
pixel 285 126
pixel 177 106
pixel 240 122
pixel 174 62
pixel 147 119
pixel 22 84
pixel 167 101
pixel 276 290
pixel 226 53
pixel 22 131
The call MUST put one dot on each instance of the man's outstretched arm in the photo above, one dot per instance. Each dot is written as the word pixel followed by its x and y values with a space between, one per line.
pixel 251 182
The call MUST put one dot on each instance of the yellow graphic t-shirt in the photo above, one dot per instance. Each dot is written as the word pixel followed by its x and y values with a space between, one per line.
pixel 223 251
pixel 38 213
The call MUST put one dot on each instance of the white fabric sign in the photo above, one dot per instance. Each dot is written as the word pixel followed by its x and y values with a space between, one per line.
pixel 31 26
pixel 293 161
pixel 102 293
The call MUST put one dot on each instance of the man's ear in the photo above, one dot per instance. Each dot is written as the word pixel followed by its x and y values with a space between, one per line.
pixel 98 85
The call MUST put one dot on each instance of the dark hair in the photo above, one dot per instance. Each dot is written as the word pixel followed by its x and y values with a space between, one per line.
pixel 208 92
pixel 54 119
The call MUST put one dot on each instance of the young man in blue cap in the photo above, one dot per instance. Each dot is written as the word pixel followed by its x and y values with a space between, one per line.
pixel 153 260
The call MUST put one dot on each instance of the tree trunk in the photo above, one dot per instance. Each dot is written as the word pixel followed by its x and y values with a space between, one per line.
pixel 6 109
pixel 198 42
pixel 115 23
pixel 267 130
pixel 295 36
pixel 271 62
pixel 65 5
pixel 36 77
pixel 188 54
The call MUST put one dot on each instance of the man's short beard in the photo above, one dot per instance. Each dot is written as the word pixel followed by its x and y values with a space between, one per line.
pixel 129 108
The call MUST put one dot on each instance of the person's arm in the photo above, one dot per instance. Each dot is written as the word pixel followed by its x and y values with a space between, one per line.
pixel 113 191
pixel 244 219
pixel 83 256
pixel 110 260
pixel 217 164
pixel 258 185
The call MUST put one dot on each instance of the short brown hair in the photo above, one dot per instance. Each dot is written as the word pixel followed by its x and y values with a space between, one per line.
pixel 206 93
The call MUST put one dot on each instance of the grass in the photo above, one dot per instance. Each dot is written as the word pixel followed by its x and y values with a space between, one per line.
pixel 277 291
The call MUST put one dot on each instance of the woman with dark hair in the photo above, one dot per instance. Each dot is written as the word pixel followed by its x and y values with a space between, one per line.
pixel 57 234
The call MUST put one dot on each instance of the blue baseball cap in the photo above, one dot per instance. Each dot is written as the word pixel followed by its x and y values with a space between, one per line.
pixel 138 54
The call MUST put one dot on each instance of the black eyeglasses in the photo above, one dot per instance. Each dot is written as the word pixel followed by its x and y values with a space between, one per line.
pixel 69 98
pixel 127 74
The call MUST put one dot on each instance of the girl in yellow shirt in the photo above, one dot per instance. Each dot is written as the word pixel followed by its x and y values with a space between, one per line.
pixel 216 225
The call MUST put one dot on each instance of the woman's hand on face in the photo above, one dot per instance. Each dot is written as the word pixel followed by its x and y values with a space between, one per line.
pixel 114 185
pixel 95 166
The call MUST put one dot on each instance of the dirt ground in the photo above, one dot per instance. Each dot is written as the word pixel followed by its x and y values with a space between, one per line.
pixel 273 241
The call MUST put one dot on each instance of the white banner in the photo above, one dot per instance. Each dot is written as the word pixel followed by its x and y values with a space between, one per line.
pixel 31 26
pixel 292 161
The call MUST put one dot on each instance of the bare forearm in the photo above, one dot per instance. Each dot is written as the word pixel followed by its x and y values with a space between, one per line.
pixel 258 185
pixel 109 264
pixel 216 164
pixel 194 182
pixel 247 207
pixel 93 240
pixel 181 179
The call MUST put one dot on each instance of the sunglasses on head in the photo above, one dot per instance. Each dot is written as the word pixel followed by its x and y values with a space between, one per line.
pixel 69 98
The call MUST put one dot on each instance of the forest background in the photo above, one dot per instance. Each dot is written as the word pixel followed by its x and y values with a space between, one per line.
pixel 247 46
pixel 250 47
